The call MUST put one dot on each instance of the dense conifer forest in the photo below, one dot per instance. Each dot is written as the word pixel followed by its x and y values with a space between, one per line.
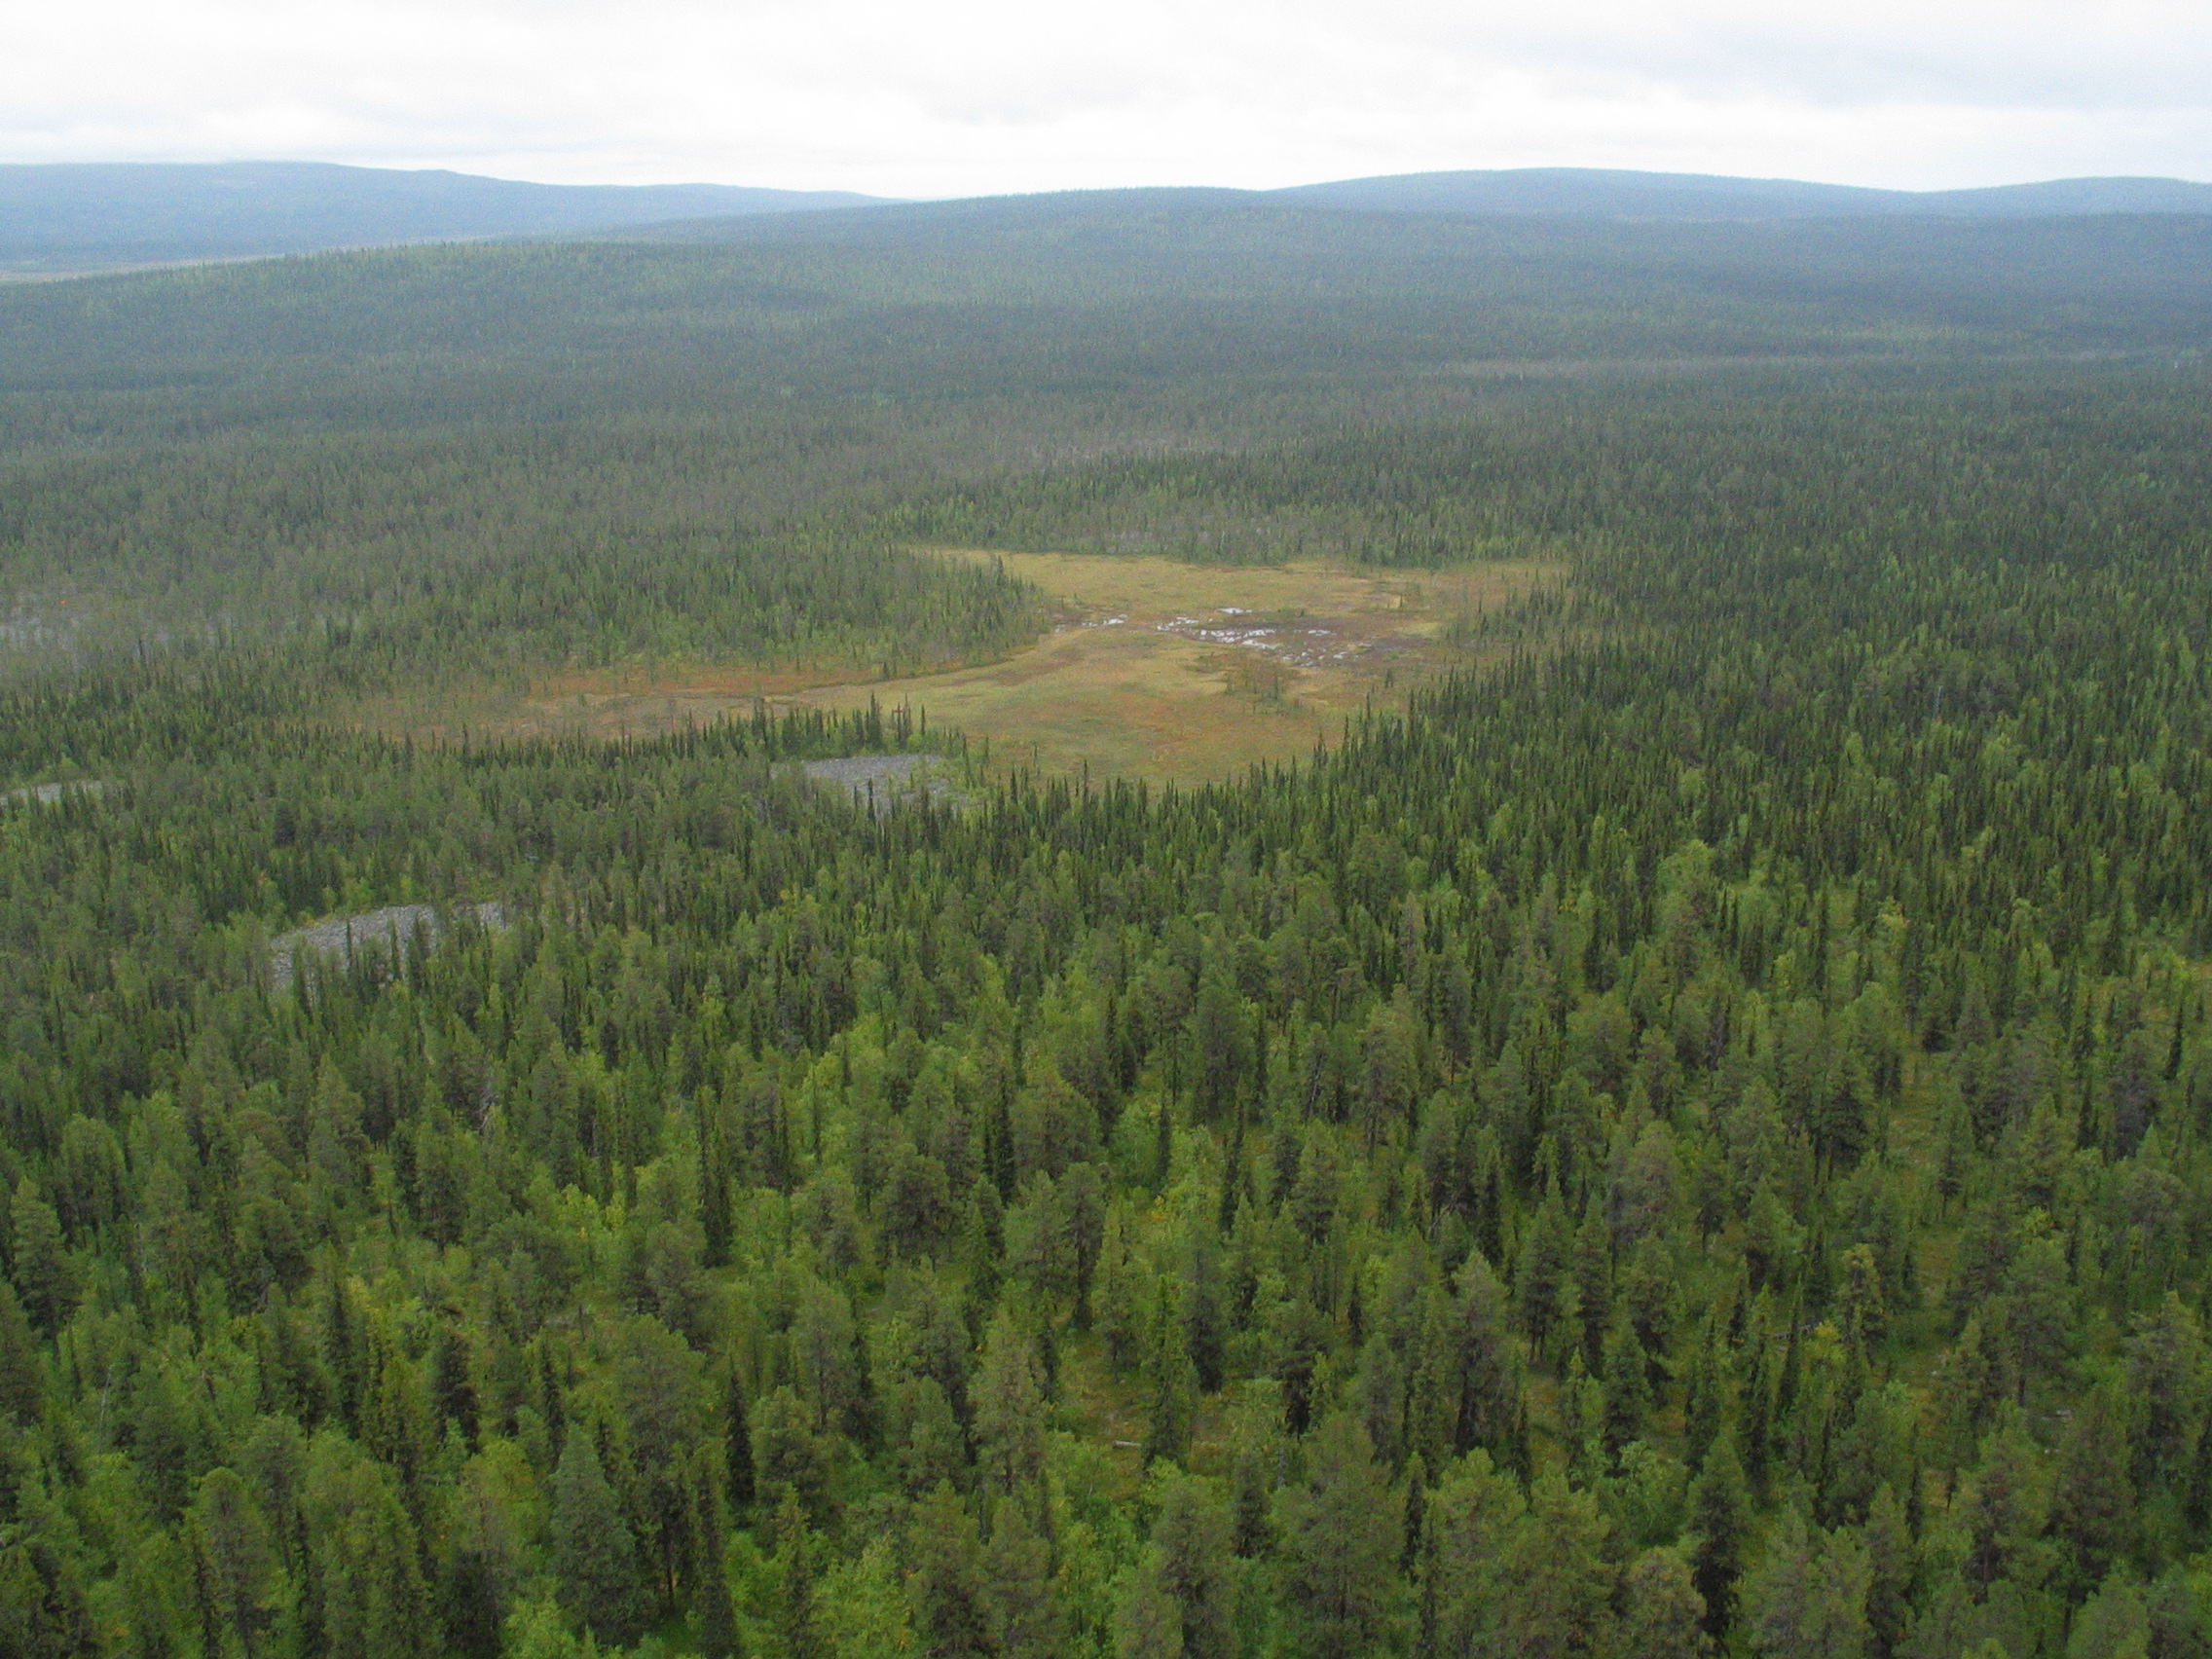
pixel 1691 1140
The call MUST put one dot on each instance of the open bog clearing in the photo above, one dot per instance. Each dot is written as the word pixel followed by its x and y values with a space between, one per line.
pixel 1188 671
pixel 1153 667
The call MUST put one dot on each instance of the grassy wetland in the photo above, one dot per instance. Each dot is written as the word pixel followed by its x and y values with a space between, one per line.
pixel 1147 667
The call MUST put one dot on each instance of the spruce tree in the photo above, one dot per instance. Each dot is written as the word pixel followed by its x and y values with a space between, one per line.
pixel 1024 1609
pixel 716 1223
pixel 1720 1524
pixel 1628 1389
pixel 1148 1622
pixel 2093 1510
pixel 713 1612
pixel 1339 1548
pixel 1008 1413
pixel 236 1563
pixel 452 1395
pixel 1191 1537
pixel 1663 1616
pixel 1890 1560
pixel 950 1585
pixel 22 1380
pixel 737 1442
pixel 470 1605
pixel 1172 1380
pixel 795 1571
pixel 590 1547
pixel 42 1266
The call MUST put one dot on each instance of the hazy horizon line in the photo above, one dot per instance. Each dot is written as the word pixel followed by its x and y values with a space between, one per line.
pixel 986 194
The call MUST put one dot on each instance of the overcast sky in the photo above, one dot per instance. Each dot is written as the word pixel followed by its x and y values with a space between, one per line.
pixel 938 98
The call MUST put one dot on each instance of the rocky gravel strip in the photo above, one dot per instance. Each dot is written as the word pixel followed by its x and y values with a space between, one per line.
pixel 387 930
pixel 881 782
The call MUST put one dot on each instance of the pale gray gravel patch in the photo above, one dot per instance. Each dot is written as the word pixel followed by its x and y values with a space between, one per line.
pixel 881 782
pixel 387 930
pixel 46 795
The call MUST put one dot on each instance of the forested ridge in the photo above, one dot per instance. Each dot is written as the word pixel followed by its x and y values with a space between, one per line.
pixel 1690 1140
pixel 464 462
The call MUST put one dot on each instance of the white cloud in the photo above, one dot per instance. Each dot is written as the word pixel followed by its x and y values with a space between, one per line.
pixel 970 96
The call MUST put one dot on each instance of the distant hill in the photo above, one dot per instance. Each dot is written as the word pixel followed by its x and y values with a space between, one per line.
pixel 2091 277
pixel 1591 193
pixel 1060 295
pixel 72 216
